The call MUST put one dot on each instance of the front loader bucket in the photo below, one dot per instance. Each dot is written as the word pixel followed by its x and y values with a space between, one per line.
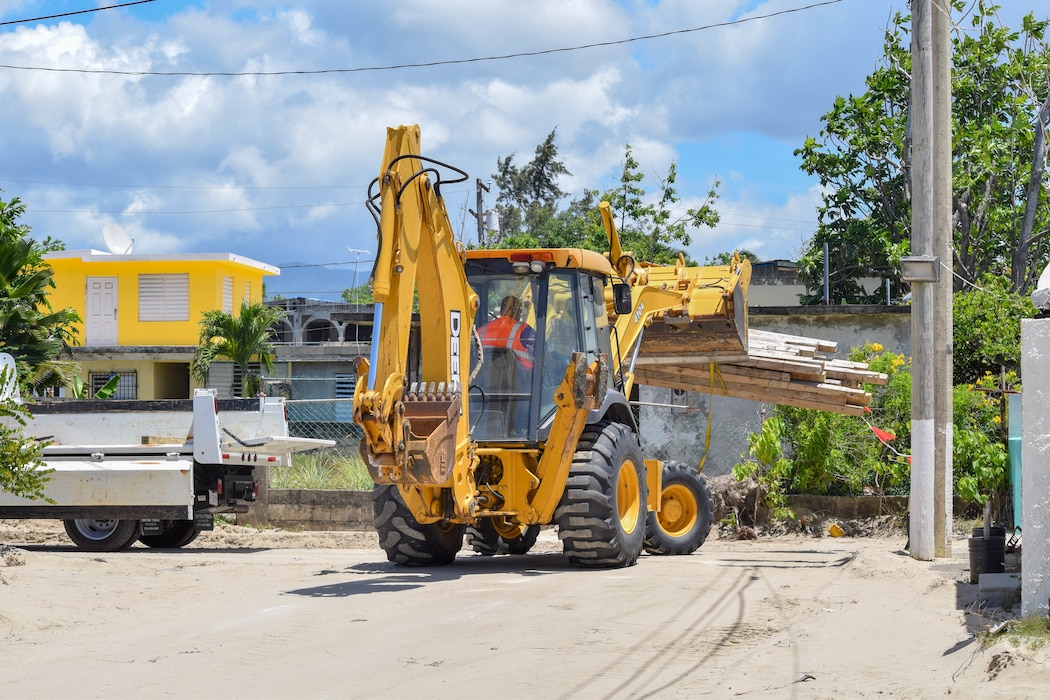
pixel 711 324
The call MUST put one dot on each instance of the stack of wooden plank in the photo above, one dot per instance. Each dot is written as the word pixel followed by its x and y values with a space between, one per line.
pixel 781 369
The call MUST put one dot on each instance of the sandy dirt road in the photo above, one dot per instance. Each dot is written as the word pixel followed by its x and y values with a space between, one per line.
pixel 326 616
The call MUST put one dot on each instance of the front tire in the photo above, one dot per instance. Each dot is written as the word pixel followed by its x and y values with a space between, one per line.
pixel 179 533
pixel 404 539
pixel 102 535
pixel 686 512
pixel 601 517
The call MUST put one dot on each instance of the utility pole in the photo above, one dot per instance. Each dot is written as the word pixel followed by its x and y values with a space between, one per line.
pixel 479 213
pixel 931 412
pixel 921 523
pixel 943 289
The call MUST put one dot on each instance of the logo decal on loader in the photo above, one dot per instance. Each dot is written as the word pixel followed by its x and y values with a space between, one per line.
pixel 453 345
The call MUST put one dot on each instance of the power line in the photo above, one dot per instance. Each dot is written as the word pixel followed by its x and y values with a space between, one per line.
pixel 195 211
pixel 186 187
pixel 429 64
pixel 75 12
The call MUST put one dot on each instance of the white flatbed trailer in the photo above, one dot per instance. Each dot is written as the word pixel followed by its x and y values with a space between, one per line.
pixel 155 471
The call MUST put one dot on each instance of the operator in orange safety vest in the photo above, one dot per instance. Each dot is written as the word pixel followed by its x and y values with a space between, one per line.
pixel 508 332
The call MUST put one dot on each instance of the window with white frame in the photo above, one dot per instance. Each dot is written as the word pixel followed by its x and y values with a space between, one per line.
pixel 164 297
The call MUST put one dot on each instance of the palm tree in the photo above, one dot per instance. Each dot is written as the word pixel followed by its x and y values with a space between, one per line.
pixel 238 338
pixel 30 329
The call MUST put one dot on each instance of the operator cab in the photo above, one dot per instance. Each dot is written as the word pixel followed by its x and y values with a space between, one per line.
pixel 532 317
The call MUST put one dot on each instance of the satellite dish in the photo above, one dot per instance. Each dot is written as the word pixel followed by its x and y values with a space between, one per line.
pixel 117 239
pixel 8 377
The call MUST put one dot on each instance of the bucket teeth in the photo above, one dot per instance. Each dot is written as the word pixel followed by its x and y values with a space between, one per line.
pixel 432 391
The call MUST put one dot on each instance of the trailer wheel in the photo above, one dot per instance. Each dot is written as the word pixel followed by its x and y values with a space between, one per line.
pixel 177 533
pixel 489 537
pixel 404 539
pixel 102 535
pixel 601 517
pixel 686 512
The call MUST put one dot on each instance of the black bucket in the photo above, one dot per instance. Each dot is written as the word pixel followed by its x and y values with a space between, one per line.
pixel 993 531
pixel 987 556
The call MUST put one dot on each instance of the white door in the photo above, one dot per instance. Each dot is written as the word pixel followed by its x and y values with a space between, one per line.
pixel 100 326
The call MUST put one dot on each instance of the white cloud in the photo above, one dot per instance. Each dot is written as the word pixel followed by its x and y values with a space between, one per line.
pixel 290 156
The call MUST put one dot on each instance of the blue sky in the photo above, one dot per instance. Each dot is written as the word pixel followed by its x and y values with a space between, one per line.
pixel 276 167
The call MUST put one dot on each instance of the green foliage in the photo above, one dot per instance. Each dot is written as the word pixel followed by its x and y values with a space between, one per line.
pixel 982 466
pixel 1032 632
pixel 768 467
pixel 986 328
pixel 322 470
pixel 531 216
pixel 838 454
pixel 238 338
pixel 30 329
pixel 22 471
pixel 653 230
pixel 79 388
pixel 726 257
pixel 360 294
pixel 1000 83
pixel 834 454
pixel 980 461
pixel 529 194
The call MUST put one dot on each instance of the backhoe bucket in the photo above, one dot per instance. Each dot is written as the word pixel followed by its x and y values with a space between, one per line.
pixel 430 421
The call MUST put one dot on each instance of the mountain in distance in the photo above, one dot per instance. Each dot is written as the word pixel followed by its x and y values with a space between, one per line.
pixel 313 281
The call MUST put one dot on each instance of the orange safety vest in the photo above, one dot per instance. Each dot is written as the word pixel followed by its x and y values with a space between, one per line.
pixel 505 332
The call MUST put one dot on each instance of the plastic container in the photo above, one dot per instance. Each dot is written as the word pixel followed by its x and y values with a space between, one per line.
pixel 987 556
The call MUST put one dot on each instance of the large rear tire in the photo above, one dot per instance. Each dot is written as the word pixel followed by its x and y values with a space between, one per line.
pixel 686 512
pixel 102 535
pixel 177 533
pixel 489 538
pixel 601 517
pixel 404 539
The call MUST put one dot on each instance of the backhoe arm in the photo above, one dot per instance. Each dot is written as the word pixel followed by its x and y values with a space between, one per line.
pixel 416 436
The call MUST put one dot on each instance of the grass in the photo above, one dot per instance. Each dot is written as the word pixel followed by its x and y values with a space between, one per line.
pixel 1030 632
pixel 322 470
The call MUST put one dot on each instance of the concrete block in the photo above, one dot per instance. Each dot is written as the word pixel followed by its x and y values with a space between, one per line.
pixel 996 590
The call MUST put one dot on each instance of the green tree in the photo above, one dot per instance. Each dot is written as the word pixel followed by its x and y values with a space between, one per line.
pixel 1001 106
pixel 986 328
pixel 238 338
pixel 31 331
pixel 360 294
pixel 530 216
pixel 726 257
pixel 528 195
pixel 653 229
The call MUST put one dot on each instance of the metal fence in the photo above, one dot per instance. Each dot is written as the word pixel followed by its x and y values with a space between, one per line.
pixel 320 407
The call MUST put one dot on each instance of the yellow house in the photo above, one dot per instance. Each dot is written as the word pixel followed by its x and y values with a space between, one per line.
pixel 141 313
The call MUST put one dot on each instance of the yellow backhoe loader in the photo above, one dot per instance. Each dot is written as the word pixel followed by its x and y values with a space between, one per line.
pixel 516 415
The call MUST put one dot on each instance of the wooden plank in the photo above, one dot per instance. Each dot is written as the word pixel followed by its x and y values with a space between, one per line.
pixel 821 345
pixel 701 381
pixel 783 397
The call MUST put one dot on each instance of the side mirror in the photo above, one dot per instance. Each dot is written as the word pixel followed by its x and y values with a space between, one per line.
pixel 621 298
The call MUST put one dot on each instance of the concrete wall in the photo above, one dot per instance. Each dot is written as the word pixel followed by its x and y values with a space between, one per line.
pixel 1035 476
pixel 316 510
pixel 680 433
